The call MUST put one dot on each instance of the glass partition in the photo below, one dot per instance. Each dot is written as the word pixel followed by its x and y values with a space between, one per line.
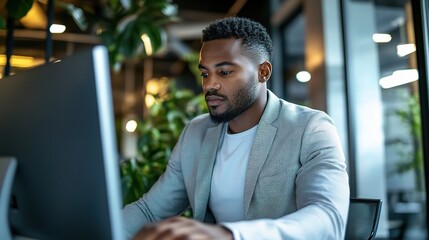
pixel 383 75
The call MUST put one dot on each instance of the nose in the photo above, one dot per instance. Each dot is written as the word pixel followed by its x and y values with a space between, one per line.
pixel 210 83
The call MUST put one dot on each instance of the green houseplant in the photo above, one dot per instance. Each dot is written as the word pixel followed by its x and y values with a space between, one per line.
pixel 133 28
pixel 158 133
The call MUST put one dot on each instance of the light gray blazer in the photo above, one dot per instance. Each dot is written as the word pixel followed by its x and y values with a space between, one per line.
pixel 296 185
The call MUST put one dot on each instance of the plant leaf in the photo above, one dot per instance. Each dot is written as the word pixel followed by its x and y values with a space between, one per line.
pixel 156 35
pixel 18 8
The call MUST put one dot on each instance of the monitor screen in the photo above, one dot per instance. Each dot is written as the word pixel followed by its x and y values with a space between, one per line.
pixel 57 121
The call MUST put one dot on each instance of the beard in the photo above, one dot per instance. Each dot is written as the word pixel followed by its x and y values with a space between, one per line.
pixel 241 101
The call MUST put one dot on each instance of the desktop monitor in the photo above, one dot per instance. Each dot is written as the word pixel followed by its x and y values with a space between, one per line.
pixel 57 121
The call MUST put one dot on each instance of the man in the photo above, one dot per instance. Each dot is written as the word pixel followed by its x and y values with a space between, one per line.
pixel 256 167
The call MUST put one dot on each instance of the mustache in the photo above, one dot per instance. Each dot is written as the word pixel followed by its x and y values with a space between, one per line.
pixel 214 93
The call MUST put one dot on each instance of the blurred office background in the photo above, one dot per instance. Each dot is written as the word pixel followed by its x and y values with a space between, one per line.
pixel 364 62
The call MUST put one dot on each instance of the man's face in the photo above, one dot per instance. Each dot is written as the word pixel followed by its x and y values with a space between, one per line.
pixel 230 79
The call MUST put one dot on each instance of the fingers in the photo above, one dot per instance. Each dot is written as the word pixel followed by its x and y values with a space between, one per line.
pixel 175 228
pixel 179 228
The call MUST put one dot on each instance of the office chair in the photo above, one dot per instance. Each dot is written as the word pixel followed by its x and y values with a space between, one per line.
pixel 362 221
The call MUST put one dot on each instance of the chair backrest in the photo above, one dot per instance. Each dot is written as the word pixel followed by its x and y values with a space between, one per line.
pixel 362 221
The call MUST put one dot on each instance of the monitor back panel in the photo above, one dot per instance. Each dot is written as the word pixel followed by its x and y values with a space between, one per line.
pixel 52 122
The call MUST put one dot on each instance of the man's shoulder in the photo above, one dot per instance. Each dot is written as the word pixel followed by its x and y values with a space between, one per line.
pixel 298 116
pixel 294 109
pixel 196 130
pixel 283 110
pixel 298 108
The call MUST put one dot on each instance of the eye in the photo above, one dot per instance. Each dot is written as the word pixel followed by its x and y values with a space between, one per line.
pixel 224 73
pixel 204 75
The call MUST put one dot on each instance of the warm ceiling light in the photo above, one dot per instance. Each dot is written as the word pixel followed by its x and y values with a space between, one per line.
pixel 20 61
pixel 57 28
pixel 399 77
pixel 147 44
pixel 405 49
pixel 303 76
pixel 381 37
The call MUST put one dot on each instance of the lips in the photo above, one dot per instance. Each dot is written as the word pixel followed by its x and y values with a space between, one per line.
pixel 214 101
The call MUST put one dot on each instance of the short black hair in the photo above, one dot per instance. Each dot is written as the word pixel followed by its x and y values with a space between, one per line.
pixel 254 36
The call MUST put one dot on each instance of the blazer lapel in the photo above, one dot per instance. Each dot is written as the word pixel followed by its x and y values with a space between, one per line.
pixel 261 147
pixel 205 169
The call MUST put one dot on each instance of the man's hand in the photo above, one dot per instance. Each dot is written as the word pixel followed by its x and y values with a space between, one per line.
pixel 178 228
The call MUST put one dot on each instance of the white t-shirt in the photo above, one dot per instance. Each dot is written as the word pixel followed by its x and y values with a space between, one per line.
pixel 229 173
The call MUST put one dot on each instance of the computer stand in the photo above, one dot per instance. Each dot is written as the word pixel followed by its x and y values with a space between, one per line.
pixel 7 173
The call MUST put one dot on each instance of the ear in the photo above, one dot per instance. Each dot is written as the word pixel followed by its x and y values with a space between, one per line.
pixel 264 72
